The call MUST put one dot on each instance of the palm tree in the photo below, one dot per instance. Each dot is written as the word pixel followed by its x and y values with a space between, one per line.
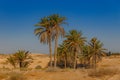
pixel 44 32
pixel 86 55
pixel 56 22
pixel 97 50
pixel 62 53
pixel 22 58
pixel 75 42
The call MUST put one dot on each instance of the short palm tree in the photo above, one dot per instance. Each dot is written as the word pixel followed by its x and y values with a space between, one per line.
pixel 56 22
pixel 22 58
pixel 75 42
pixel 44 32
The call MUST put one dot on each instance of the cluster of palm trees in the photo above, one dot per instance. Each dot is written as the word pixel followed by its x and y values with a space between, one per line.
pixel 74 48
pixel 73 45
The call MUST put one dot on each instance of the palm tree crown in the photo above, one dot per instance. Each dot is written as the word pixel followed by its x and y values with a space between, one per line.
pixel 43 30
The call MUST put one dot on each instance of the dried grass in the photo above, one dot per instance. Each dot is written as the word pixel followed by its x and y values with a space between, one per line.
pixel 102 72
pixel 16 76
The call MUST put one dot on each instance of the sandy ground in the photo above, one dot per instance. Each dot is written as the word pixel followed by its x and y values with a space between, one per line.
pixel 110 63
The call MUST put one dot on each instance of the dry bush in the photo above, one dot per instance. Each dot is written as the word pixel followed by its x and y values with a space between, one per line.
pixel 16 76
pixel 102 72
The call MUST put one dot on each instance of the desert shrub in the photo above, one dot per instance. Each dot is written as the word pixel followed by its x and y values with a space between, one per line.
pixel 102 72
pixel 38 67
pixel 17 76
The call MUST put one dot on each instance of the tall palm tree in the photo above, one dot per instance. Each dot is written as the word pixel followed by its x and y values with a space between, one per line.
pixel 44 32
pixel 56 22
pixel 75 41
pixel 97 50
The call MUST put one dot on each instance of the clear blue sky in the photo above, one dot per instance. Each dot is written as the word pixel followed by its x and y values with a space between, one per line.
pixel 99 18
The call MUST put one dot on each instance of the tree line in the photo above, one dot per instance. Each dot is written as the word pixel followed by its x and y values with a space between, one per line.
pixel 74 50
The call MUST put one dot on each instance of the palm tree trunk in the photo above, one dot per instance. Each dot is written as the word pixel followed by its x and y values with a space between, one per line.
pixel 88 60
pixel 64 62
pixel 50 50
pixel 95 62
pixel 75 60
pixel 65 58
pixel 55 50
pixel 20 64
